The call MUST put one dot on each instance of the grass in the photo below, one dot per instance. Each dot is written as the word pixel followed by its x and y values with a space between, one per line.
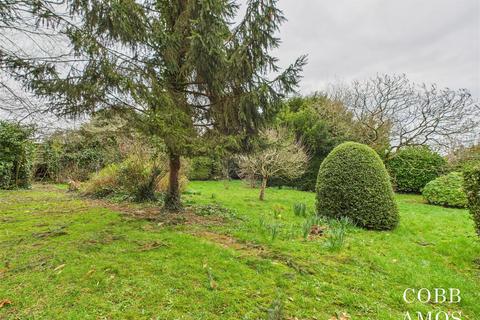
pixel 62 257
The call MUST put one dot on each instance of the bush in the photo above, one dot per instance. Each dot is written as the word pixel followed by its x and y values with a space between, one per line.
pixel 412 168
pixel 77 153
pixel 16 155
pixel 137 178
pixel 353 183
pixel 472 189
pixel 320 124
pixel 163 183
pixel 205 168
pixel 103 183
pixel 446 191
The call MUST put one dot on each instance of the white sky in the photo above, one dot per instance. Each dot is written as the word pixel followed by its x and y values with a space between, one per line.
pixel 432 41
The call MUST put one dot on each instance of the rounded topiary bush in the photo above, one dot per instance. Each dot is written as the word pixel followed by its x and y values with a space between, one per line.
pixel 446 191
pixel 353 182
pixel 412 168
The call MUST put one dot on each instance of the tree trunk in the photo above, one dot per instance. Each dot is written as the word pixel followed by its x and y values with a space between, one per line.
pixel 262 188
pixel 172 200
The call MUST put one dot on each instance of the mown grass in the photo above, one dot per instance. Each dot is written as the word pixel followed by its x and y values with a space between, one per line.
pixel 62 257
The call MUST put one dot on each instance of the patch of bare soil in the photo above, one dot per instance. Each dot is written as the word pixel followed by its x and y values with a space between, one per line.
pixel 256 250
pixel 226 241
pixel 156 214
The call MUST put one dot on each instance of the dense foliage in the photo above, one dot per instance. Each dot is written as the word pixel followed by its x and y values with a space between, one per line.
pixel 137 178
pixel 320 124
pixel 472 189
pixel 205 168
pixel 16 155
pixel 411 168
pixel 77 153
pixel 190 73
pixel 446 191
pixel 353 182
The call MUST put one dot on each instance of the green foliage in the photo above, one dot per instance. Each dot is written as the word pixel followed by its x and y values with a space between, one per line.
pixel 205 168
pixel 337 233
pixel 320 124
pixel 300 209
pixel 16 155
pixel 214 210
pixel 472 189
pixel 309 222
pixel 137 178
pixel 353 182
pixel 189 66
pixel 76 154
pixel 446 191
pixel 411 168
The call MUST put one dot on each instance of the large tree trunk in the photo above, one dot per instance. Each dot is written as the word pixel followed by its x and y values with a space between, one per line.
pixel 262 188
pixel 172 201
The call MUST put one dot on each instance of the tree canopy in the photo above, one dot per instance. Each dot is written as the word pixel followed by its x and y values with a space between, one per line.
pixel 181 70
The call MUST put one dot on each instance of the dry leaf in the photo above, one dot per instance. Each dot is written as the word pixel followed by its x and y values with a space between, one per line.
pixel 4 303
pixel 59 267
pixel 213 284
pixel 341 316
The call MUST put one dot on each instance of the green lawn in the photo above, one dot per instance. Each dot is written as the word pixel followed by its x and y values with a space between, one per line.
pixel 62 257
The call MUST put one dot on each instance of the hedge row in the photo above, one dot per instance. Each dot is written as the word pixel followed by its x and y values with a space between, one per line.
pixel 472 189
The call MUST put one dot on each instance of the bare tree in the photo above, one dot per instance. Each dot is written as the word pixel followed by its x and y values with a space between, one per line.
pixel 30 41
pixel 409 114
pixel 280 156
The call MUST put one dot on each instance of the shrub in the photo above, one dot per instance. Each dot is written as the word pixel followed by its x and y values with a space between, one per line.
pixel 353 182
pixel 472 189
pixel 162 184
pixel 136 177
pixel 446 191
pixel 205 168
pixel 103 183
pixel 16 155
pixel 412 168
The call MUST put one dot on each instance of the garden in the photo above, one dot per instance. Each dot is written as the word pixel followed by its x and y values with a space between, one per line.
pixel 198 183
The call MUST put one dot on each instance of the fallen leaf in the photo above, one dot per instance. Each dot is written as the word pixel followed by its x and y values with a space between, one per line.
pixel 213 284
pixel 59 267
pixel 341 316
pixel 4 303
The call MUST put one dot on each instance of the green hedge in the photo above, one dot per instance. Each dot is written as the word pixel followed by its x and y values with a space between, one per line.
pixel 353 182
pixel 16 155
pixel 205 168
pixel 446 191
pixel 412 168
pixel 472 189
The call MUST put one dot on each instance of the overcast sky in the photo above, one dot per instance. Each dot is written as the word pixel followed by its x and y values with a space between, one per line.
pixel 432 41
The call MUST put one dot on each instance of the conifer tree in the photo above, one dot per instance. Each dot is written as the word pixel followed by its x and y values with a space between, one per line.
pixel 182 71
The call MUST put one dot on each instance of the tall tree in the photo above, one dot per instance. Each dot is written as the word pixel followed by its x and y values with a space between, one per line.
pixel 181 70
pixel 411 114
